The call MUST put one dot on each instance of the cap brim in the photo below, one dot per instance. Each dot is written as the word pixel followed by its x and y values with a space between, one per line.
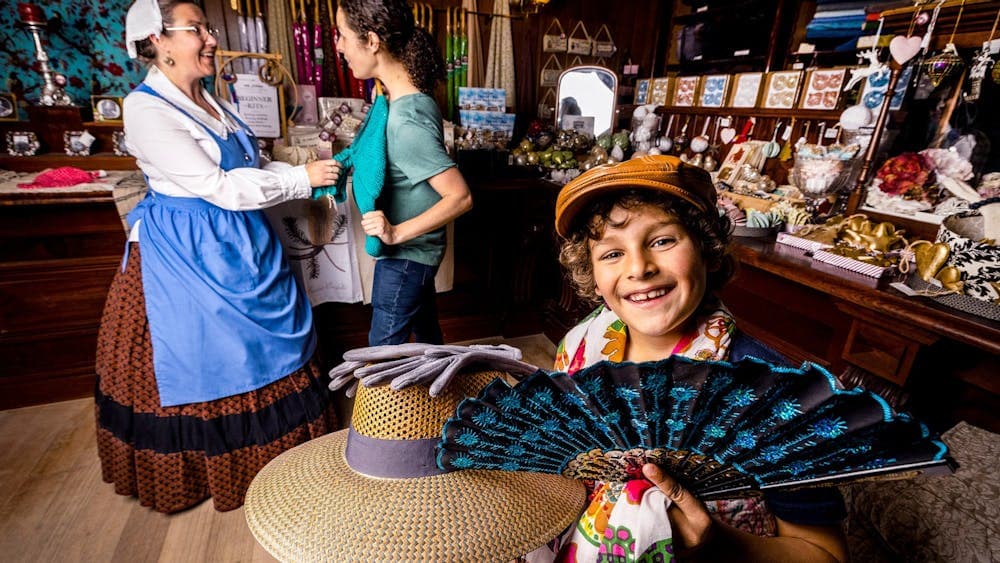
pixel 307 504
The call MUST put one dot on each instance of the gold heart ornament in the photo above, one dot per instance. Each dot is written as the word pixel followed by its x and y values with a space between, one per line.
pixel 930 258
pixel 950 278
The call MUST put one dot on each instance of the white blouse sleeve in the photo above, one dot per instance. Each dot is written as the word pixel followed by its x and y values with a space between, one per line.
pixel 181 159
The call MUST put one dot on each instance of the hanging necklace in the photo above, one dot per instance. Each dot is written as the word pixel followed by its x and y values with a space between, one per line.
pixel 946 62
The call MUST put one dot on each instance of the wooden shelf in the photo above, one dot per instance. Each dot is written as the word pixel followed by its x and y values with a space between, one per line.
pixel 802 114
pixel 726 62
pixel 99 161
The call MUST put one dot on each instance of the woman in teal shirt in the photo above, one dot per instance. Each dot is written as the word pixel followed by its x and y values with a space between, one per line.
pixel 424 191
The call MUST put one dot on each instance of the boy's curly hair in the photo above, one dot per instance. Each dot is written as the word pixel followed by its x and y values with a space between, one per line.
pixel 711 232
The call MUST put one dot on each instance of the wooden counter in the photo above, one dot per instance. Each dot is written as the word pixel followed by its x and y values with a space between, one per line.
pixel 58 253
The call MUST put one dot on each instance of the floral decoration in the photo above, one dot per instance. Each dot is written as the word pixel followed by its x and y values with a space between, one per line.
pixel 907 175
pixel 948 163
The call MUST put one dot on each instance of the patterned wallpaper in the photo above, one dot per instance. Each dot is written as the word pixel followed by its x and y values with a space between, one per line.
pixel 88 47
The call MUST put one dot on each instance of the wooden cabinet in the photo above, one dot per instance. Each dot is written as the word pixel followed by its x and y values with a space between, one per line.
pixel 58 254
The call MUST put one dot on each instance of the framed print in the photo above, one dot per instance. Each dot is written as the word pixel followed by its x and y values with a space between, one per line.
pixel 106 108
pixel 876 85
pixel 746 89
pixel 118 143
pixel 781 89
pixel 22 143
pixel 660 91
pixel 77 143
pixel 823 88
pixel 642 91
pixel 8 107
pixel 714 88
pixel 686 91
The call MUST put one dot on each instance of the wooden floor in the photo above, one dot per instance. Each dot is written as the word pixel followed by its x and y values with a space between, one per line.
pixel 54 506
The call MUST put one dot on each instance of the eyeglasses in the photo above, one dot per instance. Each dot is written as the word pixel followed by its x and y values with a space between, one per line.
pixel 199 29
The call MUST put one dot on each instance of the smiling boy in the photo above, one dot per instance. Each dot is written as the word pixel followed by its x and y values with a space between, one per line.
pixel 644 238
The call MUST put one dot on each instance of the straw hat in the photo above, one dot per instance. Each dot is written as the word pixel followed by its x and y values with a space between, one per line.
pixel 374 492
pixel 658 172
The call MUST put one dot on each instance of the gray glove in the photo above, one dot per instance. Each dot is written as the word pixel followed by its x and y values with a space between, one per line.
pixel 411 364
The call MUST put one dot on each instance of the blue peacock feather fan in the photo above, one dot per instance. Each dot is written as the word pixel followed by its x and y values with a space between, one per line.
pixel 722 429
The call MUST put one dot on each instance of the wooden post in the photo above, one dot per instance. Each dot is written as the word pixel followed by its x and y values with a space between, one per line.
pixel 858 193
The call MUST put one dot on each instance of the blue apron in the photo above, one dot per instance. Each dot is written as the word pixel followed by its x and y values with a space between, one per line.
pixel 226 316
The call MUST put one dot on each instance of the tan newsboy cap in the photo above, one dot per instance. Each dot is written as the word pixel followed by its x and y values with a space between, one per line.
pixel 658 172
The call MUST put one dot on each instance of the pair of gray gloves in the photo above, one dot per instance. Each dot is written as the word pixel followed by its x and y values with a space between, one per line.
pixel 402 365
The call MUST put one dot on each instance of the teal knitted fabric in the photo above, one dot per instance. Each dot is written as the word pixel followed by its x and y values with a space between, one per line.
pixel 367 155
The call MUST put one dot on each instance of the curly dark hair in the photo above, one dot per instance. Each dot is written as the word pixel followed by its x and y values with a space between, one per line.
pixel 711 231
pixel 144 47
pixel 392 21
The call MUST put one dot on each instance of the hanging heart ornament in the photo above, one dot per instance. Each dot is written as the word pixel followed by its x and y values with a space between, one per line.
pixel 727 134
pixel 903 48
pixel 943 64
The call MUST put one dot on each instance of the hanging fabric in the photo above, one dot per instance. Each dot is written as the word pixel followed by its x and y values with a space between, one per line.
pixel 449 61
pixel 319 56
pixel 474 61
pixel 331 62
pixel 279 21
pixel 500 60
pixel 462 56
pixel 250 64
pixel 302 40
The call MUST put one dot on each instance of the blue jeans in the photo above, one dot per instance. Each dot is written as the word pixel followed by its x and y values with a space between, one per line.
pixel 404 302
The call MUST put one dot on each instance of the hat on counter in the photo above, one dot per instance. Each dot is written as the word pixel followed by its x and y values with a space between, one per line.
pixel 374 492
pixel 658 172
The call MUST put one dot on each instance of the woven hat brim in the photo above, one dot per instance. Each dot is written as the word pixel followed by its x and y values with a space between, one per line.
pixel 308 505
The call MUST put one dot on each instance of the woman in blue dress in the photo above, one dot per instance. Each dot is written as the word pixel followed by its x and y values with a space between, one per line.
pixel 206 367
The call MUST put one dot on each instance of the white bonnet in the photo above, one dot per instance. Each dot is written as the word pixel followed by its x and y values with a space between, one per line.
pixel 143 19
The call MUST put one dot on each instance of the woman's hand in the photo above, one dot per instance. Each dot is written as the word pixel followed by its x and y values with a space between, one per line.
pixel 691 522
pixel 375 224
pixel 323 172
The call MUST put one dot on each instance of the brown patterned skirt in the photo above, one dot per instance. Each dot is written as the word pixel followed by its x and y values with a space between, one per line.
pixel 174 457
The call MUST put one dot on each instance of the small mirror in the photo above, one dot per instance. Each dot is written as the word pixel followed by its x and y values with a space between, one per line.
pixel 586 99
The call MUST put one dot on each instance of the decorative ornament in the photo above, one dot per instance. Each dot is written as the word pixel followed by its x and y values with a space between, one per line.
pixel 903 48
pixel 723 430
pixel 946 62
pixel 943 64
pixel 930 258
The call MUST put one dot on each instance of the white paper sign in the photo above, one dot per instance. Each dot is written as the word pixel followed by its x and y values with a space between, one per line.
pixel 258 105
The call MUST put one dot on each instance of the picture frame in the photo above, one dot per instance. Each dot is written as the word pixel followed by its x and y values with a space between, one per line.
pixel 714 90
pixel 107 108
pixel 641 91
pixel 686 91
pixel 876 84
pixel 661 91
pixel 823 88
pixel 781 89
pixel 118 145
pixel 8 107
pixel 746 89
pixel 77 143
pixel 22 143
